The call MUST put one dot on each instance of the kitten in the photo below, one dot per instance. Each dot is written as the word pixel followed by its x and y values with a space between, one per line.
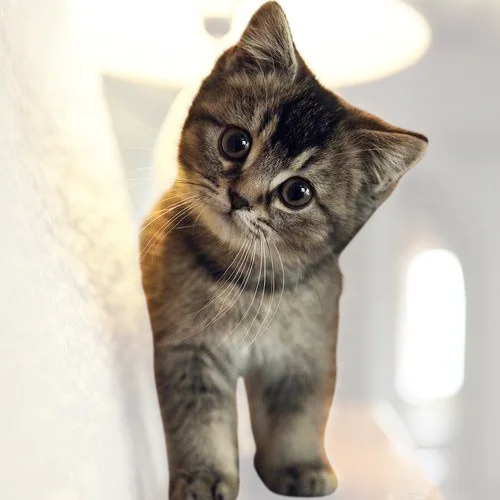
pixel 240 262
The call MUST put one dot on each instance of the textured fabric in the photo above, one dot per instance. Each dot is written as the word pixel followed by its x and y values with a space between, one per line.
pixel 78 414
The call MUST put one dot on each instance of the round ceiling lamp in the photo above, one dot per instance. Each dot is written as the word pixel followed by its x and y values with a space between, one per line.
pixel 150 41
pixel 344 42
pixel 347 42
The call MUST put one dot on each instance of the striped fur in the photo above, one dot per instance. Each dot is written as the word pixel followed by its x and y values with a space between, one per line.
pixel 254 292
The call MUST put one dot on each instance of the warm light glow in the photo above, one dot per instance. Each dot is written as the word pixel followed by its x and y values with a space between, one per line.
pixel 158 41
pixel 344 42
pixel 347 42
pixel 430 358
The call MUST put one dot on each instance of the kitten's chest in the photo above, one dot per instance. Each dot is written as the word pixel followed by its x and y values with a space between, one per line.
pixel 278 329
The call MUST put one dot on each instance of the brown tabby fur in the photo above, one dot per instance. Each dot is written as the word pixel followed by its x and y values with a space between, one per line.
pixel 253 292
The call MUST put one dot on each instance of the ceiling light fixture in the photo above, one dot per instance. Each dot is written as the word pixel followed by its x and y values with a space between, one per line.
pixel 345 42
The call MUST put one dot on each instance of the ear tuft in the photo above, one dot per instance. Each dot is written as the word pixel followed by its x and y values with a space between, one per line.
pixel 267 44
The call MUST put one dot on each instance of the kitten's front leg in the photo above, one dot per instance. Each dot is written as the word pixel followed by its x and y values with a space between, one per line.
pixel 196 389
pixel 289 414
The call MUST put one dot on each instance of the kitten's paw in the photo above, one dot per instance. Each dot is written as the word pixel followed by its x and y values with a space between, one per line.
pixel 301 480
pixel 203 485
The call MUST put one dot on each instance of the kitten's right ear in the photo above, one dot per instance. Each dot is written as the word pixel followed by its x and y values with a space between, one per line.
pixel 266 44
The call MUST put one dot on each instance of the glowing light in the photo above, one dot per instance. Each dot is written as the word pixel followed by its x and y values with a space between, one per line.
pixel 344 42
pixel 430 362
pixel 348 42
pixel 156 41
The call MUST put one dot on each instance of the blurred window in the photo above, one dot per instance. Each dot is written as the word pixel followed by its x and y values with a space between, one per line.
pixel 431 341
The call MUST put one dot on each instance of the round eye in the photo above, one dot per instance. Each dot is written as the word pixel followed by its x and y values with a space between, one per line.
pixel 235 143
pixel 296 192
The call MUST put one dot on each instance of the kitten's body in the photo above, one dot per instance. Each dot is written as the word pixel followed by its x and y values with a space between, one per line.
pixel 285 353
pixel 241 282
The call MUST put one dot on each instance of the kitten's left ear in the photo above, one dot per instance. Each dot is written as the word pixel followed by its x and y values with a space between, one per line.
pixel 267 44
pixel 388 153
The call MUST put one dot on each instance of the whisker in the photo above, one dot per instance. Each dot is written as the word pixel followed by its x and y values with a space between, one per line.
pixel 229 289
pixel 238 296
pixel 265 325
pixel 200 213
pixel 203 327
pixel 185 212
pixel 282 283
pixel 145 250
pixel 198 184
pixel 154 239
pixel 253 297
pixel 169 196
pixel 168 210
pixel 266 223
pixel 245 246
pixel 263 254
pixel 200 173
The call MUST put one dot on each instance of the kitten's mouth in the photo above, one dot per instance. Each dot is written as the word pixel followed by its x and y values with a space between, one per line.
pixel 245 222
pixel 235 218
pixel 230 217
pixel 232 221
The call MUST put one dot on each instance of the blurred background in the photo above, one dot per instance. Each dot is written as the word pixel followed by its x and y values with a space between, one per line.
pixel 420 316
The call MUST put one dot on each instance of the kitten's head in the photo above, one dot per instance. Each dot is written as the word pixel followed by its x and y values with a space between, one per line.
pixel 271 153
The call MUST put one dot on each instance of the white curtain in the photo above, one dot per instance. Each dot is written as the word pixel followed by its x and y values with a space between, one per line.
pixel 78 409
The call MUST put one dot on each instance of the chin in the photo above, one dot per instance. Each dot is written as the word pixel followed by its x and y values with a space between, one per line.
pixel 224 227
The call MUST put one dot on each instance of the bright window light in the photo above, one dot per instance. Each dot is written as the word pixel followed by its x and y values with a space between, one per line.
pixel 431 343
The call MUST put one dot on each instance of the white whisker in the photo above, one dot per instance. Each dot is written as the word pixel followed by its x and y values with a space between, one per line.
pixel 282 284
pixel 183 213
pixel 244 248
pixel 262 262
pixel 226 308
pixel 228 335
pixel 264 323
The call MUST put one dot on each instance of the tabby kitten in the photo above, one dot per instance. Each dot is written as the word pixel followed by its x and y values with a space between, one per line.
pixel 240 262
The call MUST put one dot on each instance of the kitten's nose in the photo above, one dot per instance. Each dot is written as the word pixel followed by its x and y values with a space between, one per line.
pixel 237 201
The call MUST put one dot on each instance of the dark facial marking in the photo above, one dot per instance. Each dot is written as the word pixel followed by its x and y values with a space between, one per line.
pixel 307 120
pixel 266 119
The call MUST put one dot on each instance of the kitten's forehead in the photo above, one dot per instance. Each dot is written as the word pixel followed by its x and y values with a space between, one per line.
pixel 292 116
pixel 250 101
pixel 307 120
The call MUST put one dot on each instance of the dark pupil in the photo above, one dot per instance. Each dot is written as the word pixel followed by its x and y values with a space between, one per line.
pixel 237 143
pixel 297 191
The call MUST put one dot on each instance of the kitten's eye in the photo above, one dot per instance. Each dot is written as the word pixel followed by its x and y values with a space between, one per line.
pixel 235 143
pixel 296 192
